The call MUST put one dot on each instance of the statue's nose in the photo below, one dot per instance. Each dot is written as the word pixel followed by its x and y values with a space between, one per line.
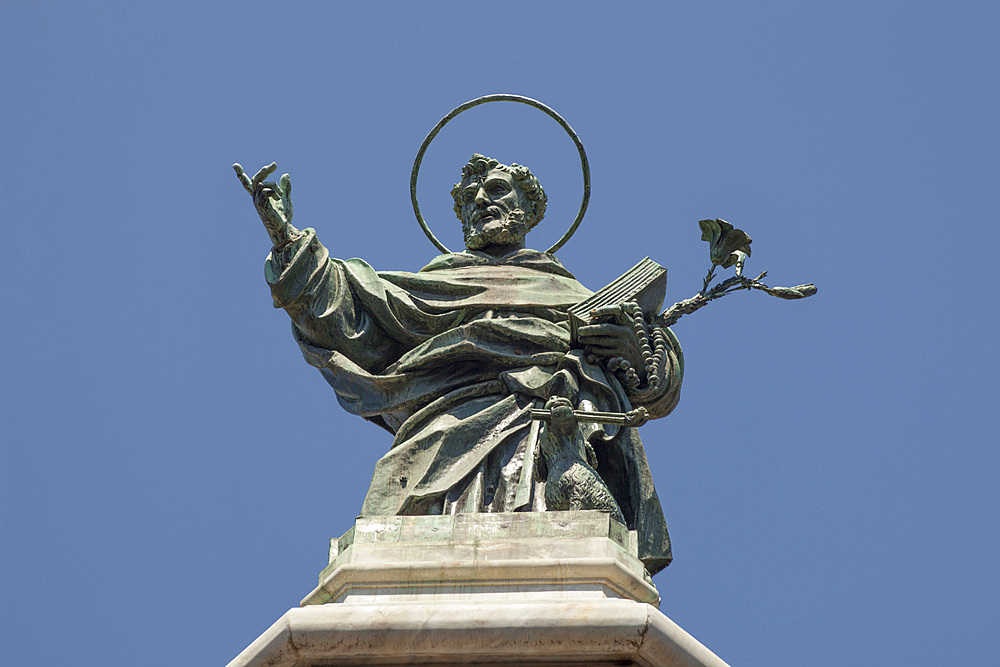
pixel 481 198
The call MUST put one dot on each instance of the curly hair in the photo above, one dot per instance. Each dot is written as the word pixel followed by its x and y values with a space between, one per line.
pixel 480 165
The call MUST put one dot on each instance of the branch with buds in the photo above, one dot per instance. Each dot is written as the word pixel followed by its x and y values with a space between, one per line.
pixel 728 247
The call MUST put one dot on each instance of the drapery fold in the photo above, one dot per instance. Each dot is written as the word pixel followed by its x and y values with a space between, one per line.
pixel 451 360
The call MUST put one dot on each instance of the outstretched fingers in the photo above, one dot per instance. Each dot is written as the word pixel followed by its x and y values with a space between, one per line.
pixel 244 179
pixel 286 195
pixel 264 172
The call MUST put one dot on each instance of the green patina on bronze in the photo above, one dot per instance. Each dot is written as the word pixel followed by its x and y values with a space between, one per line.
pixel 470 363
pixel 453 358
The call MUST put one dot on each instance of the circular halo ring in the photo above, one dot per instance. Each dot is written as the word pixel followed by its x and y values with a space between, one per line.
pixel 502 97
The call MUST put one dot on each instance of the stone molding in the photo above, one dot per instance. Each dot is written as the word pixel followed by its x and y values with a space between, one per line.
pixel 550 555
pixel 605 631
pixel 554 588
pixel 524 579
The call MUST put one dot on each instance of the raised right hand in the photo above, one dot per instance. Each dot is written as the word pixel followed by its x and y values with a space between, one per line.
pixel 273 201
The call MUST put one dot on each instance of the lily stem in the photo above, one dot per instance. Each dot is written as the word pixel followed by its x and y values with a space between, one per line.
pixel 702 298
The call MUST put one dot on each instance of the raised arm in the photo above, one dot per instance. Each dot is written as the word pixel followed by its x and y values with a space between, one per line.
pixel 326 311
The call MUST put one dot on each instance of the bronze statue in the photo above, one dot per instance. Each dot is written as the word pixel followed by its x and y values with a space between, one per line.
pixel 452 359
pixel 507 385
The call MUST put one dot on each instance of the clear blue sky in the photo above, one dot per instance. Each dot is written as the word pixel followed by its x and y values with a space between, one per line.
pixel 171 469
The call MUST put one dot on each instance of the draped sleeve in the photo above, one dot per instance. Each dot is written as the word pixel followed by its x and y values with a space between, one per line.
pixel 316 292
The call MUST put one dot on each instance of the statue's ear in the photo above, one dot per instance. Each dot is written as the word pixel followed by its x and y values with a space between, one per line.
pixel 533 214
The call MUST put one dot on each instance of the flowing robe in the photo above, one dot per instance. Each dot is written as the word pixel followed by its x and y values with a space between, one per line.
pixel 450 360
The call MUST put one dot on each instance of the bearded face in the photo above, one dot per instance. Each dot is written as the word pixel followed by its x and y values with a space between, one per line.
pixel 493 210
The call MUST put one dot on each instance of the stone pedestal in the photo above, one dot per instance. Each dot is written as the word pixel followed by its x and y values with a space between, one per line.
pixel 546 588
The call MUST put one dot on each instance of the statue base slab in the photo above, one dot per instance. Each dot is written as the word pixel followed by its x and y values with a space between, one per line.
pixel 546 588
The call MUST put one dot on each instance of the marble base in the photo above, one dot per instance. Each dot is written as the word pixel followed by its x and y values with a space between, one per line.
pixel 552 588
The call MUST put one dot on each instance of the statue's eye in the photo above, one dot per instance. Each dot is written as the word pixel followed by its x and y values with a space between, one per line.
pixel 468 196
pixel 498 189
